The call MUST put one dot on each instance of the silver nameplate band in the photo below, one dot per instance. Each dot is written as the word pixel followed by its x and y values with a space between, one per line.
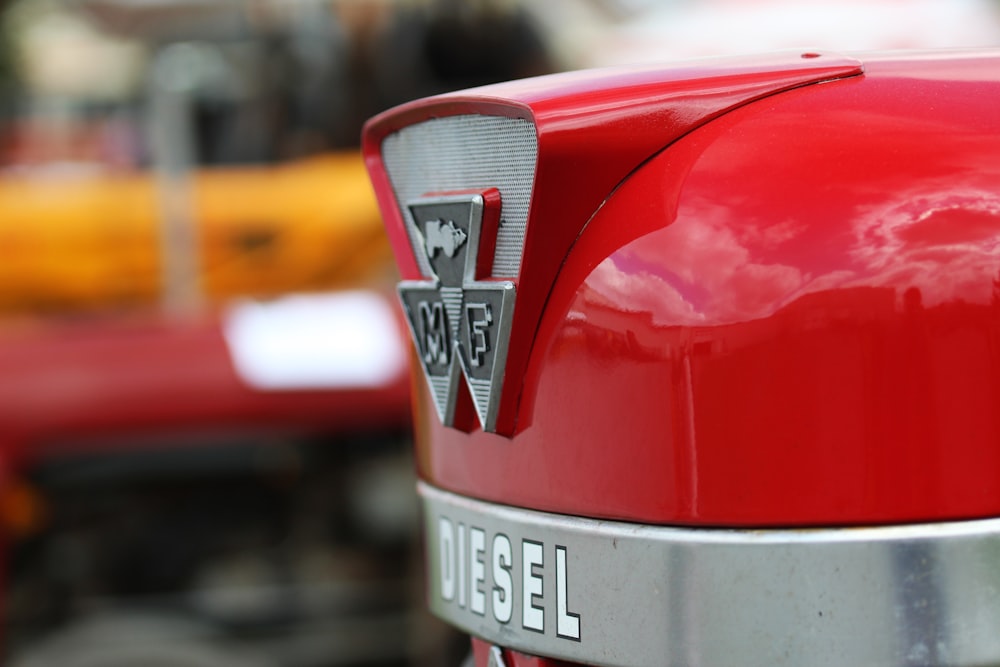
pixel 611 593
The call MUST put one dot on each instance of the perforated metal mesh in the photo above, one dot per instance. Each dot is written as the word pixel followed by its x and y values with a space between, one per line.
pixel 461 153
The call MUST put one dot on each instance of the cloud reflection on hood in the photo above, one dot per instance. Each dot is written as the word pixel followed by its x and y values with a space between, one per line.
pixel 703 271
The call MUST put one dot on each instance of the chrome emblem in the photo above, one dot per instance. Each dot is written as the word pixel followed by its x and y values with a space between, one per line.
pixel 460 321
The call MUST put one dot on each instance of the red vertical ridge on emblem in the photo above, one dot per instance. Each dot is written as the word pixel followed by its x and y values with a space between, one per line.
pixel 492 208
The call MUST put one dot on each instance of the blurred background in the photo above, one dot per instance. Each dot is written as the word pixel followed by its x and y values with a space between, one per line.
pixel 204 396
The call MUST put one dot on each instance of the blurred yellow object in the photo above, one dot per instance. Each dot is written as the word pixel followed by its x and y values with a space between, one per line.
pixel 92 240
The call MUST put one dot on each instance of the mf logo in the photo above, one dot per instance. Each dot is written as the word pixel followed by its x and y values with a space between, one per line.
pixel 460 321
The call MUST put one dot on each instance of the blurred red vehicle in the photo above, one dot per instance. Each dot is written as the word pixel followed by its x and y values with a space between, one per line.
pixel 707 359
pixel 221 490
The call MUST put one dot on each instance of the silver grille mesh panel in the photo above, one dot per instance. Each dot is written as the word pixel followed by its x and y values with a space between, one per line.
pixel 463 153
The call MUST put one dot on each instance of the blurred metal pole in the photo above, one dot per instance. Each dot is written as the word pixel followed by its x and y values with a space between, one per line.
pixel 173 81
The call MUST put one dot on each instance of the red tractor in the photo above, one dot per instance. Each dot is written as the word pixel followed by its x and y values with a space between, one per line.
pixel 708 359
pixel 230 489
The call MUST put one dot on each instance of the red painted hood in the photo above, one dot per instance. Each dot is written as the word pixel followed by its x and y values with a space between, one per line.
pixel 744 300
pixel 594 128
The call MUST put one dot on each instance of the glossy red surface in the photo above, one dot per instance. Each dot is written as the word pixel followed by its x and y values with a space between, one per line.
pixel 789 317
pixel 594 129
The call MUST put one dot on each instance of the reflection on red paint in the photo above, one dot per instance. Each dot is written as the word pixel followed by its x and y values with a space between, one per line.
pixel 791 316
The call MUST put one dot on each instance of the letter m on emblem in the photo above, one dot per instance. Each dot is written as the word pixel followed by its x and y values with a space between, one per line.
pixel 434 334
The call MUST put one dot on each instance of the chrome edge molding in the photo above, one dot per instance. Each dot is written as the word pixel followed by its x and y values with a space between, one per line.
pixel 924 594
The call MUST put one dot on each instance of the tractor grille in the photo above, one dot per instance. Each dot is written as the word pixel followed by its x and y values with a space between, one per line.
pixel 464 153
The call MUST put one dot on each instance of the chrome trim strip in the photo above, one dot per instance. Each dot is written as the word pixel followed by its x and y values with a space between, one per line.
pixel 925 594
